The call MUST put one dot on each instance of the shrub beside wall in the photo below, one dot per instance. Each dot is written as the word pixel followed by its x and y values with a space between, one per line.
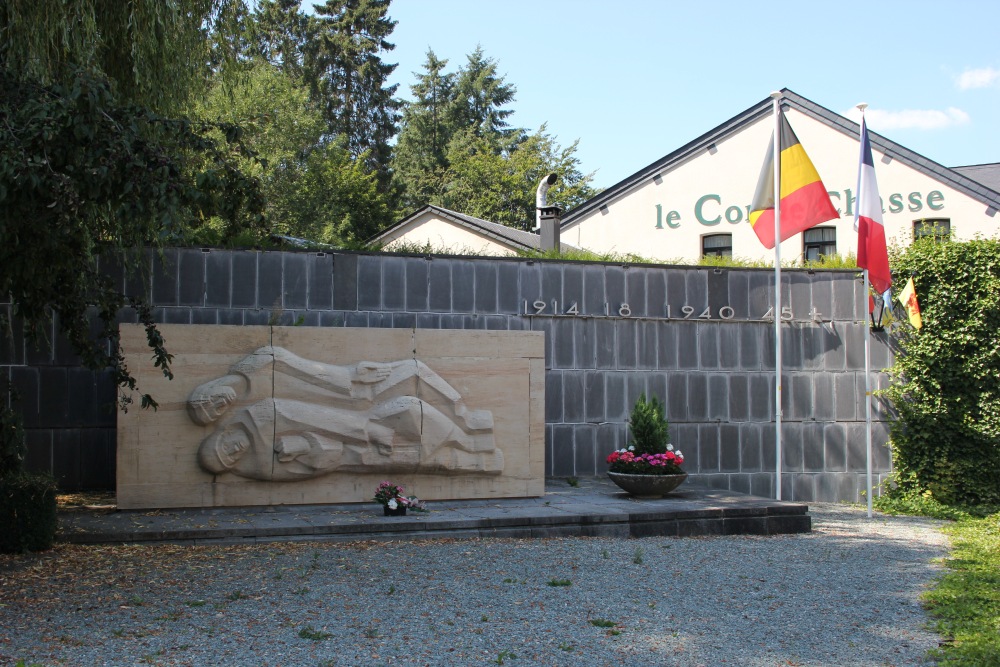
pixel 27 500
pixel 946 376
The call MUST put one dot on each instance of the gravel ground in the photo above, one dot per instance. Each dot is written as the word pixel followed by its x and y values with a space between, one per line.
pixel 846 594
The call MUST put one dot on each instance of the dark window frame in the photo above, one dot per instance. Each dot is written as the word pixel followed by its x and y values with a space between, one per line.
pixel 815 248
pixel 717 251
pixel 939 228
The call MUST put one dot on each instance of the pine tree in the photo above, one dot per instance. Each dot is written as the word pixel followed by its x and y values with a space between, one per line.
pixel 348 77
pixel 420 162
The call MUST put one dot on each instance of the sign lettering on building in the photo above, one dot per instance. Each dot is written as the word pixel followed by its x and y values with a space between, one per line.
pixel 710 210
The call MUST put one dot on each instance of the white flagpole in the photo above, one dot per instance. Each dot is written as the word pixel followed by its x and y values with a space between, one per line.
pixel 775 97
pixel 868 359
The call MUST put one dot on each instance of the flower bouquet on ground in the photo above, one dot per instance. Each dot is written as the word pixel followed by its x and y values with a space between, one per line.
pixel 649 453
pixel 394 503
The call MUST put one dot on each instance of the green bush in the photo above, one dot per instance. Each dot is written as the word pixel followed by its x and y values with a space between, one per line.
pixel 650 429
pixel 27 512
pixel 946 377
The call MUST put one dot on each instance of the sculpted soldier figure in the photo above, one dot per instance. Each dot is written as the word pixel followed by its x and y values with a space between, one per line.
pixel 279 417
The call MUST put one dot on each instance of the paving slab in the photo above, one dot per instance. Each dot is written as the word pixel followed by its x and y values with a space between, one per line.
pixel 594 507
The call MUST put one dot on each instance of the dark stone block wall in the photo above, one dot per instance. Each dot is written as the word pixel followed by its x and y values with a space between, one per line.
pixel 609 339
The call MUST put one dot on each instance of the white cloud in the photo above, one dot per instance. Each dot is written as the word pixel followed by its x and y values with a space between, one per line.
pixel 881 120
pixel 977 78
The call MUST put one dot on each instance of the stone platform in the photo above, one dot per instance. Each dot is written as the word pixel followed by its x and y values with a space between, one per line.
pixel 593 508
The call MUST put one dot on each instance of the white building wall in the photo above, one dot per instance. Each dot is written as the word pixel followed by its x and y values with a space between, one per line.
pixel 711 193
pixel 446 237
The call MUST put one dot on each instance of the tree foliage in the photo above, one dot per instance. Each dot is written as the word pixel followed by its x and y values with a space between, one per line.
pixel 349 79
pixel 456 148
pixel 313 187
pixel 946 376
pixel 89 165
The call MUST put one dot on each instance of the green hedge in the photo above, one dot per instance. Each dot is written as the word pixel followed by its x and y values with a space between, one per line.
pixel 946 377
pixel 27 512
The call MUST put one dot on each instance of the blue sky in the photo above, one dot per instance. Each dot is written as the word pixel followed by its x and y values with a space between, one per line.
pixel 633 80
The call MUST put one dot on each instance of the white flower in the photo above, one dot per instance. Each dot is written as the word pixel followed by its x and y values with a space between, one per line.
pixel 631 448
pixel 678 453
pixel 670 447
pixel 391 504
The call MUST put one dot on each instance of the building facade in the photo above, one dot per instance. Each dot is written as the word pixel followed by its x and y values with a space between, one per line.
pixel 696 200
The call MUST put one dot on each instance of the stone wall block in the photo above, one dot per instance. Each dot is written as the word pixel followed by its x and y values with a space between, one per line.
pixel 563 451
pixel 646 345
pixel 585 447
pixel 687 346
pixel 676 290
pixel 554 397
pixel 739 295
pixel 677 397
pixel 244 279
pixel 509 301
pixel 616 395
pixel 574 397
pixel 295 283
pixel 813 446
pixel 552 283
pixel 593 290
pixel 345 282
pixel 394 283
pixel 656 293
pixel 750 342
pixel 824 400
pixel 667 337
pixel 440 286
pixel 369 282
pixel 614 287
pixel 97 458
pixel 750 448
pixel 761 396
pixel 164 277
pixel 191 275
pixel 729 346
pixel 846 290
pixel 463 286
pixel 696 288
pixel 718 397
pixel 530 282
pixel 584 343
pixel 486 286
pixel 626 334
pixel 729 448
pixel 800 286
pixel 761 297
pixel 708 344
pixel 563 330
pixel 708 448
pixel 269 277
pixel 66 458
pixel 218 278
pixel 697 398
pixel 320 277
pixel 594 399
pixel 738 401
pixel 635 291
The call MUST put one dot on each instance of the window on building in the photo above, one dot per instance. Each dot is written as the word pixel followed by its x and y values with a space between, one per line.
pixel 939 228
pixel 717 245
pixel 819 242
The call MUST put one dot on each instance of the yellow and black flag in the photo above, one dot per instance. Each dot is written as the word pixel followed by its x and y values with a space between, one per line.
pixel 804 201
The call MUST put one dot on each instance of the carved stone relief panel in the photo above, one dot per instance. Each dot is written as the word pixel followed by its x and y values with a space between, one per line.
pixel 261 415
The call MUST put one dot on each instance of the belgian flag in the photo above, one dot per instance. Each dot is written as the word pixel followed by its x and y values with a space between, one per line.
pixel 804 200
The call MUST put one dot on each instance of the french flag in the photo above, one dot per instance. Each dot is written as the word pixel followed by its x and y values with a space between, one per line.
pixel 872 252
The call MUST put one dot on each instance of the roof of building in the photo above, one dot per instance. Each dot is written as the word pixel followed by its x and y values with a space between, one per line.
pixel 987 174
pixel 986 190
pixel 516 238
